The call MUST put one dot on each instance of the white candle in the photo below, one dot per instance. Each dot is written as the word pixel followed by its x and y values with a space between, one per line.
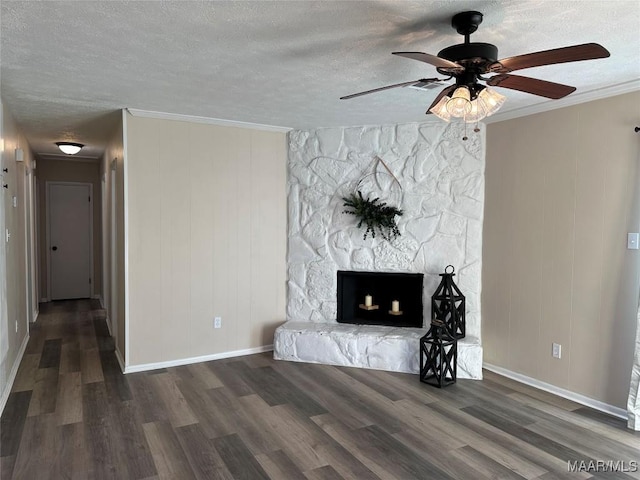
pixel 368 301
pixel 395 306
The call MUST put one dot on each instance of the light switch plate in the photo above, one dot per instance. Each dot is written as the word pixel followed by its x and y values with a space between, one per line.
pixel 632 241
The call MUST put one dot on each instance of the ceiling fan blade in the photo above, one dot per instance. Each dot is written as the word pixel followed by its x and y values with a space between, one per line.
pixel 531 85
pixel 403 84
pixel 430 59
pixel 445 91
pixel 586 51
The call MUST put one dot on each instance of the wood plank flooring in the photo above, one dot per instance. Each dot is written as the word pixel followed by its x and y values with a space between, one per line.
pixel 73 415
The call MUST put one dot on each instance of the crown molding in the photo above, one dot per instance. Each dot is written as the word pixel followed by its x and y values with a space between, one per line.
pixel 207 120
pixel 62 157
pixel 611 91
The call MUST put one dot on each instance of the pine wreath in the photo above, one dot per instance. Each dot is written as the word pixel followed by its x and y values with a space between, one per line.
pixel 374 214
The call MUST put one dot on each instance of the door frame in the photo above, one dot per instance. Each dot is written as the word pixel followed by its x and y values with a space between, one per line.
pixel 113 253
pixel 29 237
pixel 48 232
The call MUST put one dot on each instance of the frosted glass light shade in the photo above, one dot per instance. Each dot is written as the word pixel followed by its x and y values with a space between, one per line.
pixel 460 103
pixel 440 109
pixel 492 100
pixel 477 113
pixel 69 148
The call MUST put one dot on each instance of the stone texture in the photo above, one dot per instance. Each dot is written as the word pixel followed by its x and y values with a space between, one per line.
pixel 440 190
pixel 366 346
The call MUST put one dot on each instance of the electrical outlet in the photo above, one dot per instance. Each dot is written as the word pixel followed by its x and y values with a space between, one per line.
pixel 217 322
pixel 556 350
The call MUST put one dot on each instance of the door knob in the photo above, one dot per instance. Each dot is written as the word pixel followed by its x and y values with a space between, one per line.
pixel 54 248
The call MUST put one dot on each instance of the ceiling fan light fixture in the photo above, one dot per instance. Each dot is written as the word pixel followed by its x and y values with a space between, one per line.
pixel 460 103
pixel 440 109
pixel 69 148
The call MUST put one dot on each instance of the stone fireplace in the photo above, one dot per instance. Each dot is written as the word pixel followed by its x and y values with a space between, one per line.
pixel 439 187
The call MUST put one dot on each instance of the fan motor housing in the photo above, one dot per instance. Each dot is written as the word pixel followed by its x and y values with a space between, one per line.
pixel 469 54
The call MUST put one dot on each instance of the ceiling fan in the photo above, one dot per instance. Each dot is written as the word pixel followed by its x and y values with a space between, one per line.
pixel 469 61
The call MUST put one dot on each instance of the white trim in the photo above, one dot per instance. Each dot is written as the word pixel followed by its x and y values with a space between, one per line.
pixel 44 300
pixel 204 358
pixel 12 375
pixel 561 392
pixel 113 249
pixel 63 157
pixel 120 361
pixel 107 320
pixel 48 183
pixel 210 121
pixel 36 314
pixel 104 294
pixel 37 246
pixel 545 106
pixel 125 233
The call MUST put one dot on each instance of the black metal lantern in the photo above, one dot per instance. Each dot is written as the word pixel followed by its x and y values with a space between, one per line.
pixel 438 356
pixel 448 304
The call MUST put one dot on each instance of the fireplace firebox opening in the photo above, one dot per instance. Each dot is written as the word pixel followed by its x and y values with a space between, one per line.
pixel 385 289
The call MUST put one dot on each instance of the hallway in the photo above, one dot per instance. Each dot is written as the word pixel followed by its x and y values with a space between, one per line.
pixel 73 414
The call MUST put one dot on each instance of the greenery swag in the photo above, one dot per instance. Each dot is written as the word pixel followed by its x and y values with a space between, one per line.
pixel 375 214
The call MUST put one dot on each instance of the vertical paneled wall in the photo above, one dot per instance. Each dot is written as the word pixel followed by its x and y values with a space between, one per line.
pixel 206 237
pixel 562 191
pixel 17 279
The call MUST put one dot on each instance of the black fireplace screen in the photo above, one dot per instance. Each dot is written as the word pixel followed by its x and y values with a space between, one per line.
pixel 382 290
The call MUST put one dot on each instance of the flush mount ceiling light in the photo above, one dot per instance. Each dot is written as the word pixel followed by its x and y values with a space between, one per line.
pixel 69 148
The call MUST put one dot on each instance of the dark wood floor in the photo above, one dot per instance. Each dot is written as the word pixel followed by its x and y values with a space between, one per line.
pixel 72 414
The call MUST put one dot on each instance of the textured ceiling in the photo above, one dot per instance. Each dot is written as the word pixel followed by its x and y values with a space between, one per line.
pixel 66 67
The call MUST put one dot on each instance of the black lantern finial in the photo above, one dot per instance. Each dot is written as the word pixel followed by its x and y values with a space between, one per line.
pixel 448 304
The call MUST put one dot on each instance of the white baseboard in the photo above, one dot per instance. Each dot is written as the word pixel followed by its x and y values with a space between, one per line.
pixel 36 313
pixel 561 392
pixel 44 299
pixel 12 374
pixel 120 361
pixel 108 322
pixel 204 358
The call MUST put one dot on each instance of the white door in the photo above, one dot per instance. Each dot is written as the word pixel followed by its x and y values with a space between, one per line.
pixel 69 207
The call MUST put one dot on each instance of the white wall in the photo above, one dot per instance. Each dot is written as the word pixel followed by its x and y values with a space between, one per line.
pixel 16 276
pixel 206 233
pixel 441 194
pixel 562 193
